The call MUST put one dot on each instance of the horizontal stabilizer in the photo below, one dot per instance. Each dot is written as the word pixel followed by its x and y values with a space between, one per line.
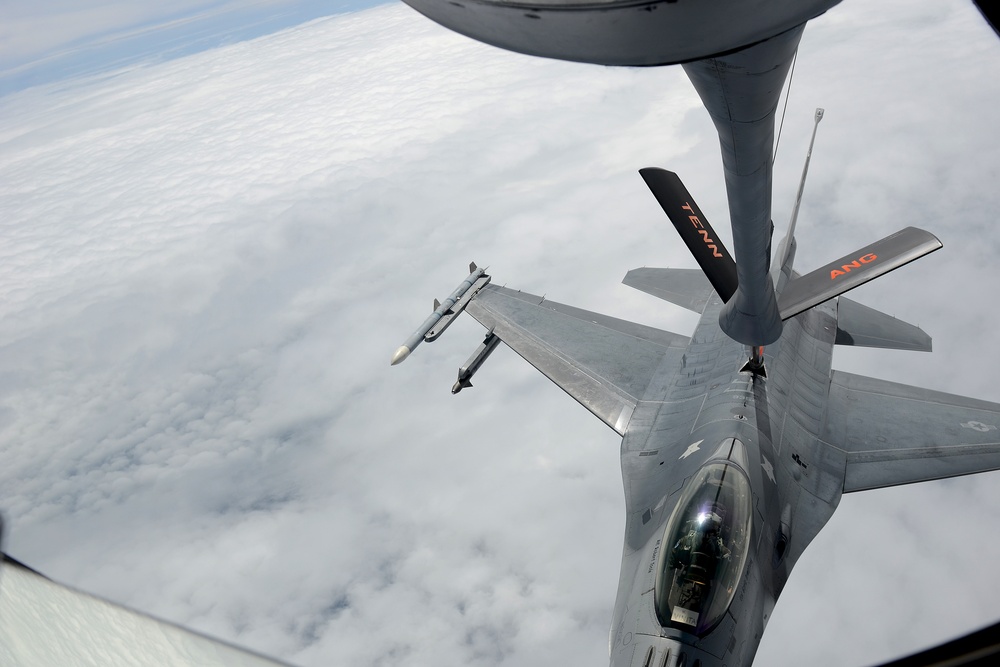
pixel 894 433
pixel 855 269
pixel 688 288
pixel 603 362
pixel 691 224
pixel 862 326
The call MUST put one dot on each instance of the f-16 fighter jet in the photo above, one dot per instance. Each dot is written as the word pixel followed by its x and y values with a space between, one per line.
pixel 733 457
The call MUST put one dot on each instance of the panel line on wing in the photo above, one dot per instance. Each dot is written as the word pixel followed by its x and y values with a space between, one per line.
pixel 605 363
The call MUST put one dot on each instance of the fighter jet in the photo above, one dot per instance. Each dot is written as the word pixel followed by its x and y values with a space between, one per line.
pixel 738 441
pixel 731 465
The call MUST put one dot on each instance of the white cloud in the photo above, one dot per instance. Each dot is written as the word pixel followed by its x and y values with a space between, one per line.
pixel 206 265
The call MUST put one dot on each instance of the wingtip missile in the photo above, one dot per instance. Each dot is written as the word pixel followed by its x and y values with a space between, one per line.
pixel 444 314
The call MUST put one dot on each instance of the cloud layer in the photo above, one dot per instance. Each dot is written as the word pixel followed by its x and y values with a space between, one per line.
pixel 206 265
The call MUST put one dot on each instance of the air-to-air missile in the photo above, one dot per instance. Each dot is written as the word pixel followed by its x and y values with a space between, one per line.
pixel 474 362
pixel 444 314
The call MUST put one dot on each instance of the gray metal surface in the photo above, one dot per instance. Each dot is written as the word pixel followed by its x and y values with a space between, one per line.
pixel 621 32
pixel 688 288
pixel 897 434
pixel 46 623
pixel 862 326
pixel 855 269
pixel 740 91
pixel 580 351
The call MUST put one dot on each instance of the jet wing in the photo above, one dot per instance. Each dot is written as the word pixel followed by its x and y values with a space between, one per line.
pixel 603 362
pixel 897 434
pixel 47 623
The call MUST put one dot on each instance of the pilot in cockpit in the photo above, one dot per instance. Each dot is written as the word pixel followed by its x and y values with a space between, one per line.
pixel 701 545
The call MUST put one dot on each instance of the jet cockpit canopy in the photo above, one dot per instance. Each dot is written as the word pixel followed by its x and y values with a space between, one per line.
pixel 704 549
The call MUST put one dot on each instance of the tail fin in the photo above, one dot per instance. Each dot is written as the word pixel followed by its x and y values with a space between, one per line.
pixel 855 269
pixel 691 224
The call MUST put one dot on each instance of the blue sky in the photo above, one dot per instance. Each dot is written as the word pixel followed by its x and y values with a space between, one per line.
pixel 207 258
pixel 52 40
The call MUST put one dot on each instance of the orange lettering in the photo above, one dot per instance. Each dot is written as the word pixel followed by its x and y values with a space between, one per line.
pixel 693 218
pixel 700 226
pixel 710 243
pixel 856 264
